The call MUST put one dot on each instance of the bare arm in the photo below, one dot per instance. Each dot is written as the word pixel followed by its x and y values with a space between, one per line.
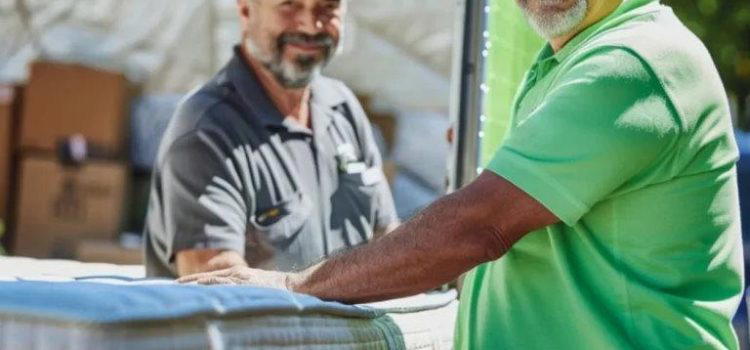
pixel 476 224
pixel 204 260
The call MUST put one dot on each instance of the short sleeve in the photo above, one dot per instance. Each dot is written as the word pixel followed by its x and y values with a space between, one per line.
pixel 606 121
pixel 203 202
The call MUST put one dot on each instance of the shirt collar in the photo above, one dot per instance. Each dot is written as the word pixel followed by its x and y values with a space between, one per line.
pixel 254 96
pixel 325 94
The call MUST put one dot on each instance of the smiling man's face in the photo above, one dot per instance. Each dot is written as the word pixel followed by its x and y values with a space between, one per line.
pixel 553 18
pixel 293 39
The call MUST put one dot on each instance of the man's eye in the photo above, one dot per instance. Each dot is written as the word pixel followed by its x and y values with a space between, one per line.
pixel 331 5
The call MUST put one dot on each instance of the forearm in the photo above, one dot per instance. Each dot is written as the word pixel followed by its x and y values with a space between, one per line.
pixel 386 230
pixel 478 223
pixel 432 249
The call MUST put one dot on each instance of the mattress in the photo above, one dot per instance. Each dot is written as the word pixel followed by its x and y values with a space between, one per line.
pixel 68 305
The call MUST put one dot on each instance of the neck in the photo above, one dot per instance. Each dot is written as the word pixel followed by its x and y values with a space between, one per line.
pixel 596 12
pixel 292 103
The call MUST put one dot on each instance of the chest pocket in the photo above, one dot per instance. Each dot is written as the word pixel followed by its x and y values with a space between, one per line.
pixel 281 222
pixel 354 202
pixel 354 205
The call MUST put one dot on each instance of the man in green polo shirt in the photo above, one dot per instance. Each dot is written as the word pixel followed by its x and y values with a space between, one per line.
pixel 608 219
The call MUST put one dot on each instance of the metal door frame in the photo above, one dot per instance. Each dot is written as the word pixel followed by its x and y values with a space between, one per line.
pixel 468 90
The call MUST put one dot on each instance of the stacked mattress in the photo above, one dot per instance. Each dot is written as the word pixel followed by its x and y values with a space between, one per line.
pixel 43 307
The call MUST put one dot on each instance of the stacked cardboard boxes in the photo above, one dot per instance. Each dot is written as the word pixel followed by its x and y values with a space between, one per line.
pixel 62 100
pixel 9 102
pixel 58 205
pixel 108 251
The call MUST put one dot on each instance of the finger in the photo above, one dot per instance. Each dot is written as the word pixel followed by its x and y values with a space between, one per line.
pixel 214 280
pixel 242 281
pixel 192 278
pixel 198 276
pixel 222 273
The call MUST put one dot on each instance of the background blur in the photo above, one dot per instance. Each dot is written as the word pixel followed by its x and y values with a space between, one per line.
pixel 113 71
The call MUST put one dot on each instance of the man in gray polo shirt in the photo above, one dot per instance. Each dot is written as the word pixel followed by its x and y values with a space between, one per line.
pixel 269 164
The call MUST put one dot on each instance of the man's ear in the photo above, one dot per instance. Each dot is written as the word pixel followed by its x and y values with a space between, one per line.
pixel 243 7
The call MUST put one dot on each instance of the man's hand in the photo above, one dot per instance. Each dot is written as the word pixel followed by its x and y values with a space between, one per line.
pixel 242 275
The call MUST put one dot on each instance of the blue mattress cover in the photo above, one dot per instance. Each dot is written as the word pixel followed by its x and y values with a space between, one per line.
pixel 100 303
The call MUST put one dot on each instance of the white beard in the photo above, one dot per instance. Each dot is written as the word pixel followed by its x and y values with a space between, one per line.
pixel 287 74
pixel 552 25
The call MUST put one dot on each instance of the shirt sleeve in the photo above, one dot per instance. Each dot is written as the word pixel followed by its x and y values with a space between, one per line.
pixel 606 122
pixel 203 205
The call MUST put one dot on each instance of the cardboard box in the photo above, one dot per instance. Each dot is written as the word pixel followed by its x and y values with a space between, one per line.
pixel 59 206
pixel 107 251
pixel 62 100
pixel 384 121
pixel 390 170
pixel 387 125
pixel 8 108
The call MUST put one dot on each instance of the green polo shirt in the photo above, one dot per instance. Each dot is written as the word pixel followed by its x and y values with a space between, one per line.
pixel 624 135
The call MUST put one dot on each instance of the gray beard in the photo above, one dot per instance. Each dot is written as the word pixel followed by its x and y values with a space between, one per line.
pixel 295 75
pixel 290 75
pixel 552 25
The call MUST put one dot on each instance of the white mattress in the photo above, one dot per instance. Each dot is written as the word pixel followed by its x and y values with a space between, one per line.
pixel 420 322
pixel 12 268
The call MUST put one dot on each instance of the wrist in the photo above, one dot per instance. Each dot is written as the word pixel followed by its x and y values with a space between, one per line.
pixel 293 282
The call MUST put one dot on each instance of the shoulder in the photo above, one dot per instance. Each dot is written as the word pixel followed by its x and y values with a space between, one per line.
pixel 671 55
pixel 606 63
pixel 660 40
pixel 338 95
pixel 335 91
pixel 200 121
pixel 334 86
pixel 608 72
pixel 611 89
pixel 202 108
pixel 658 36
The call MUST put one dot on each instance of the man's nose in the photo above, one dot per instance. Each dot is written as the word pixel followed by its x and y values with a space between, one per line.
pixel 309 23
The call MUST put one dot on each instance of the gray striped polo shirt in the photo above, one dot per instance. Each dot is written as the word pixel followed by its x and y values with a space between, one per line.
pixel 233 174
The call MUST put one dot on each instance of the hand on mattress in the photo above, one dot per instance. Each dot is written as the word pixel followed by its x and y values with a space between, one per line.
pixel 474 225
pixel 241 275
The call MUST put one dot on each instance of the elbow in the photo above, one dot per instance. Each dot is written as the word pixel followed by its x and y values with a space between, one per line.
pixel 483 238
pixel 494 243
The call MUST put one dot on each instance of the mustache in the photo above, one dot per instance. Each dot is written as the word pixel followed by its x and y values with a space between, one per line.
pixel 321 39
pixel 525 3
